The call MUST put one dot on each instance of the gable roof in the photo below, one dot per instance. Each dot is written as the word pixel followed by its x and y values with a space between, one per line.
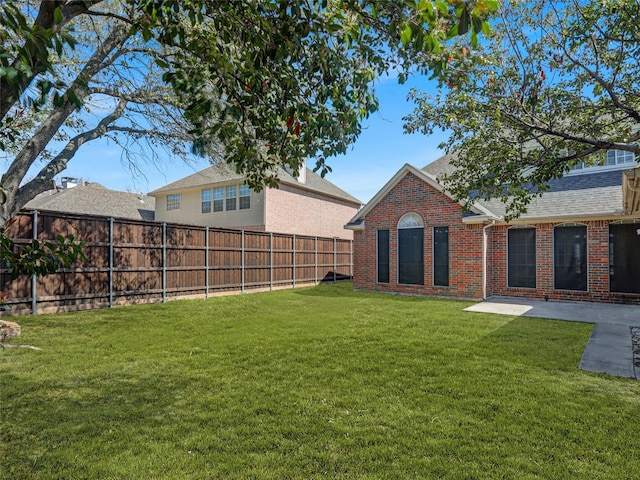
pixel 357 222
pixel 94 199
pixel 597 194
pixel 223 172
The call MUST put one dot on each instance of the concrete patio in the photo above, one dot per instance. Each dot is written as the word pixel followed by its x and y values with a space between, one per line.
pixel 610 347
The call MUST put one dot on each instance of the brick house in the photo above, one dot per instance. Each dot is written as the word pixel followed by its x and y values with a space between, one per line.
pixel 218 197
pixel 579 241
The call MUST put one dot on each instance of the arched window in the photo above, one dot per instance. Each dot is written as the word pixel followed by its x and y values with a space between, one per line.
pixel 411 250
pixel 411 220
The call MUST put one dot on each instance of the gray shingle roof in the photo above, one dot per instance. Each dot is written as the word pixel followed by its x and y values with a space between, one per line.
pixel 582 194
pixel 94 199
pixel 223 172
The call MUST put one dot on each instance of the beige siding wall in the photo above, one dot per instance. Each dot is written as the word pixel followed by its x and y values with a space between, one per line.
pixel 294 210
pixel 190 211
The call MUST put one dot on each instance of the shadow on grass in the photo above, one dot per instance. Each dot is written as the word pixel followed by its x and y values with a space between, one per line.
pixel 346 290
pixel 545 344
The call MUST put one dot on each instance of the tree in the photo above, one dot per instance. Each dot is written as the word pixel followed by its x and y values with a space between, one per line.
pixel 560 88
pixel 260 83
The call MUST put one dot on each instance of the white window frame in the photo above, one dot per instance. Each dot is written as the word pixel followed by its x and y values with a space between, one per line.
pixel 174 201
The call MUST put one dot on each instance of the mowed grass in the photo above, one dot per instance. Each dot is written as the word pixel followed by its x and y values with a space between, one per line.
pixel 310 383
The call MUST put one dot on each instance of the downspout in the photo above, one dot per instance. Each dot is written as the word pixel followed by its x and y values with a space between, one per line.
pixel 484 258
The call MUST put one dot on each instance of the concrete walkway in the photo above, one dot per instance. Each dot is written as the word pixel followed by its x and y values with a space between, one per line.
pixel 609 350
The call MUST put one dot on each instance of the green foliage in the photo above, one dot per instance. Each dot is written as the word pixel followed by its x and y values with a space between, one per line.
pixel 27 51
pixel 38 258
pixel 258 83
pixel 311 383
pixel 294 77
pixel 559 89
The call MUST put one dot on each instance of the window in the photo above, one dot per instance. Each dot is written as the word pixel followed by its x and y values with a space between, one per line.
pixel 383 256
pixel 173 202
pixel 611 158
pixel 618 157
pixel 521 257
pixel 245 197
pixel 624 257
pixel 231 198
pixel 218 199
pixel 411 250
pixel 570 257
pixel 441 256
pixel 206 201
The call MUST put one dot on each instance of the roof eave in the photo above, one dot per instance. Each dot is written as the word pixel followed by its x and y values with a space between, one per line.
pixel 573 217
pixel 355 226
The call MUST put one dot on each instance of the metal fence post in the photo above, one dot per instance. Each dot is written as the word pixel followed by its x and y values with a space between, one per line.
pixel 164 262
pixel 242 265
pixel 294 261
pixel 110 262
pixel 34 282
pixel 270 261
pixel 206 263
pixel 315 260
pixel 335 259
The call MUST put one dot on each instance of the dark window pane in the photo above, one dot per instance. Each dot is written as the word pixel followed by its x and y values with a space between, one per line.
pixel 245 197
pixel 410 256
pixel 441 256
pixel 570 258
pixel 218 205
pixel 624 258
pixel 206 206
pixel 521 257
pixel 383 256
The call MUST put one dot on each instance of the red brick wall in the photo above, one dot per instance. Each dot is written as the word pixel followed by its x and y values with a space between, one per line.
pixel 465 251
pixel 597 258
pixel 298 211
pixel 436 209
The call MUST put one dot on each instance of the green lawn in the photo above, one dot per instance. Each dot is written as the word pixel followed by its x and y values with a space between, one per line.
pixel 310 383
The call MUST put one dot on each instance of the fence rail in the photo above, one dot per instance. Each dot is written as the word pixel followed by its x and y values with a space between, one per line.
pixel 137 262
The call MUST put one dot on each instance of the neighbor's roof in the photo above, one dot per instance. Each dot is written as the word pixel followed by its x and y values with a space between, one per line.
pixel 94 199
pixel 583 194
pixel 223 172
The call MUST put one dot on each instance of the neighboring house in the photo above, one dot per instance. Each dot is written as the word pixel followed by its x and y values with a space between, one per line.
pixel 218 197
pixel 83 198
pixel 579 241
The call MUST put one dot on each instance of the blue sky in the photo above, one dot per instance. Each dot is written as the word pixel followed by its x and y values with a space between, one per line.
pixel 379 152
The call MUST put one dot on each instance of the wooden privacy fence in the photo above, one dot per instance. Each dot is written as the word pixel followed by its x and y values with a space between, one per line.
pixel 131 261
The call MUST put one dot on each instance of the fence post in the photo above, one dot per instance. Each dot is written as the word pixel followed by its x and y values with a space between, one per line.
pixel 110 262
pixel 270 261
pixel 315 260
pixel 294 261
pixel 164 262
pixel 335 259
pixel 206 263
pixel 34 283
pixel 242 260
